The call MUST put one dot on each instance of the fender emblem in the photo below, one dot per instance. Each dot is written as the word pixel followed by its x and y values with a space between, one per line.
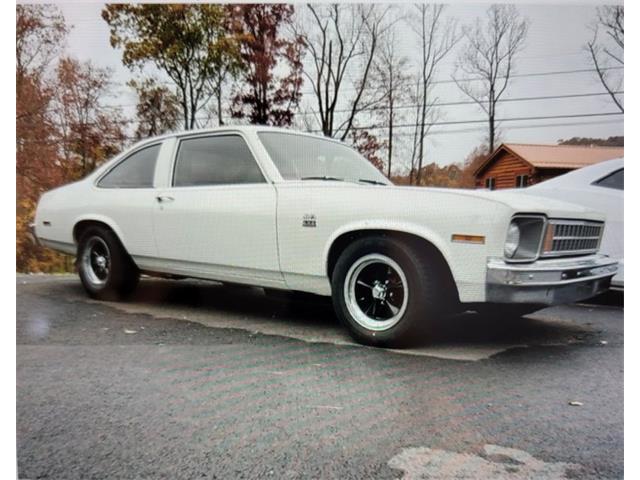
pixel 309 220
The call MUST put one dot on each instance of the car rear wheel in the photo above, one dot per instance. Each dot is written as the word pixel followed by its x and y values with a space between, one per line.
pixel 387 292
pixel 106 270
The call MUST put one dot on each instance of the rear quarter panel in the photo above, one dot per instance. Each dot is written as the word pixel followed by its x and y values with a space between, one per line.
pixel 126 211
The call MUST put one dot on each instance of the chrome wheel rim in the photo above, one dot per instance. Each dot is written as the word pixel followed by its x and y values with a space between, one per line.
pixel 96 261
pixel 376 292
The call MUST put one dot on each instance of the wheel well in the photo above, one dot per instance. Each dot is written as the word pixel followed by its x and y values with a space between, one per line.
pixel 420 244
pixel 82 226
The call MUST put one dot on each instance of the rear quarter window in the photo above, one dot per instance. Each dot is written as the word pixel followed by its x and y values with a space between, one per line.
pixel 135 171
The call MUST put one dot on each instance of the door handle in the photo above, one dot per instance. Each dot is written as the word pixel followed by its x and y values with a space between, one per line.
pixel 164 199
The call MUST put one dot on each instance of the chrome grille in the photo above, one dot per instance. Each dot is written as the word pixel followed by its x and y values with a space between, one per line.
pixel 571 237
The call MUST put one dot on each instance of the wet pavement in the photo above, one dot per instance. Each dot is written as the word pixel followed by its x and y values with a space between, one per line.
pixel 197 380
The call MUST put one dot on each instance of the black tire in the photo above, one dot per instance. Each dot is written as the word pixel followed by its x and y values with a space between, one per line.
pixel 121 276
pixel 427 297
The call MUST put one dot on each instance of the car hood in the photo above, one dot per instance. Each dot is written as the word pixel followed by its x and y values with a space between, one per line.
pixel 509 201
pixel 517 201
pixel 523 201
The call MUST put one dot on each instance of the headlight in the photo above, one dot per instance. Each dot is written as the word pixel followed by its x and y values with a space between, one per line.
pixel 513 239
pixel 524 236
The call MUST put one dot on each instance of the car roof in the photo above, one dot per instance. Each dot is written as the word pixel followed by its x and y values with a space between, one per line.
pixel 582 176
pixel 234 128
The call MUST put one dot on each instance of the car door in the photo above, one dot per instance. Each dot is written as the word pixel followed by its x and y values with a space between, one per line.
pixel 125 195
pixel 217 218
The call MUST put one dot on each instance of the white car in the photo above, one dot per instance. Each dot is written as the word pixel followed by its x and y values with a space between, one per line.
pixel 291 211
pixel 599 187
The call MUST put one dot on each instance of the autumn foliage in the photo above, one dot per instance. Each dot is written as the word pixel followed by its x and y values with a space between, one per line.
pixel 266 96
pixel 63 131
pixel 369 146
pixel 191 44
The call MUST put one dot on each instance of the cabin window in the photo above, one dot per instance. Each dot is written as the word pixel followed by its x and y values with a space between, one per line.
pixel 215 160
pixel 490 183
pixel 613 180
pixel 522 181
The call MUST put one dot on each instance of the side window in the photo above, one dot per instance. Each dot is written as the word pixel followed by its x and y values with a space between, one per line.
pixel 613 180
pixel 490 183
pixel 215 160
pixel 135 171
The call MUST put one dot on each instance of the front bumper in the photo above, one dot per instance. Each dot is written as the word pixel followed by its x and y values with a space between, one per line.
pixel 549 282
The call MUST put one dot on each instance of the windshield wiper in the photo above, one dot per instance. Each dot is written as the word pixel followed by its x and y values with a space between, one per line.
pixel 337 179
pixel 325 177
pixel 372 182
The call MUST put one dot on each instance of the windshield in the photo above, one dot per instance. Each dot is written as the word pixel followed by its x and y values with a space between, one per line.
pixel 299 157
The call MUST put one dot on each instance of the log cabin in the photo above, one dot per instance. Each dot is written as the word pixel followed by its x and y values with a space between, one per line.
pixel 518 165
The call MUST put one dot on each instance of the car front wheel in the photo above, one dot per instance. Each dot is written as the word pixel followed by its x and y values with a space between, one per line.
pixel 387 292
pixel 106 270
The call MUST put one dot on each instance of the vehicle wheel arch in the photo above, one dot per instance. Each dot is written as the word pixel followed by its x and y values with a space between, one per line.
pixel 118 275
pixel 428 244
pixel 81 224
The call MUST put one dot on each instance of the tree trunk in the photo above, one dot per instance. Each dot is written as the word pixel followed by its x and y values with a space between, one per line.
pixel 492 118
pixel 185 108
pixel 219 99
pixel 219 95
pixel 491 132
pixel 390 147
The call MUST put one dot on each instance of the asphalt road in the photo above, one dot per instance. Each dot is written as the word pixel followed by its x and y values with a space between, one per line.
pixel 195 380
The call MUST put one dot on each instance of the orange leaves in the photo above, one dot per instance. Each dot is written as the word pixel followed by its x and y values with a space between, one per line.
pixel 62 129
pixel 369 146
pixel 267 98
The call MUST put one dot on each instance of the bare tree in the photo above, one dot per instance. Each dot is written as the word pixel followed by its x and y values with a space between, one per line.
pixel 437 36
pixel 609 53
pixel 391 79
pixel 423 122
pixel 488 57
pixel 220 79
pixel 342 44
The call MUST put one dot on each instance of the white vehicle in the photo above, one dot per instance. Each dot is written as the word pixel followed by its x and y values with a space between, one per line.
pixel 599 187
pixel 291 211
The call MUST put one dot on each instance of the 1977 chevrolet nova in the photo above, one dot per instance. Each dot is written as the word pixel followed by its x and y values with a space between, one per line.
pixel 291 211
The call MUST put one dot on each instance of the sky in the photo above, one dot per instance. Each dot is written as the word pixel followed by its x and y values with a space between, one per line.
pixel 555 42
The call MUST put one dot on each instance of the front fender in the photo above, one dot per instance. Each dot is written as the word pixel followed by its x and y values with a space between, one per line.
pixel 421 231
